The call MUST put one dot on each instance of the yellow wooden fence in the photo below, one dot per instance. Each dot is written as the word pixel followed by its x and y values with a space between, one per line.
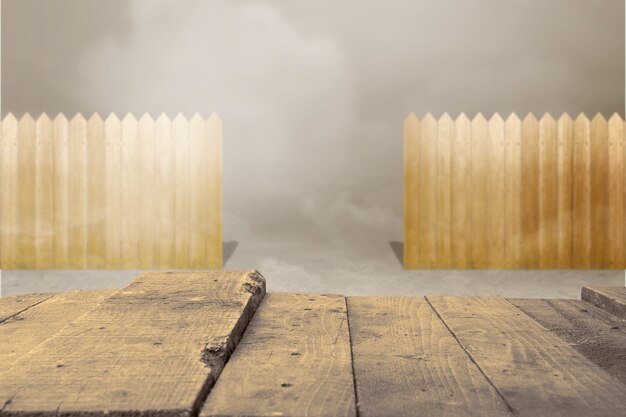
pixel 110 194
pixel 514 193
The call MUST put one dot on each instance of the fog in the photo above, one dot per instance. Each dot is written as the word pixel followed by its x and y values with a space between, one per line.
pixel 313 94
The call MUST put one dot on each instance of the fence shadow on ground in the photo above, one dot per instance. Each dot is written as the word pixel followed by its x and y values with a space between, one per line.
pixel 228 248
pixel 398 250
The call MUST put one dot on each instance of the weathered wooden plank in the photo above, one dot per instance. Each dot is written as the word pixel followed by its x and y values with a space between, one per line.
pixel 611 299
pixel 407 363
pixel 537 373
pixel 597 334
pixel 513 204
pixel 26 177
pixel 96 195
pixel 565 190
pixel 157 345
pixel 599 163
pixel 23 331
pixel 294 360
pixel 581 222
pixel 8 196
pixel 113 192
pixel 616 187
pixel 198 190
pixel 530 192
pixel 147 193
pixel 165 181
pixel 77 193
pixel 548 193
pixel 12 305
pixel 428 218
pixel 131 216
pixel 445 136
pixel 44 194
pixel 61 191
pixel 180 129
pixel 411 192
pixel 459 166
pixel 479 188
pixel 214 191
pixel 496 231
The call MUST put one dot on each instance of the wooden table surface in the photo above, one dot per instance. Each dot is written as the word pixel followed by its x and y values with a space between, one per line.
pixel 214 344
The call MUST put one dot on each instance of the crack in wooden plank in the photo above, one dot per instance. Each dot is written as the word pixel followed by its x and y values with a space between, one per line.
pixel 356 393
pixel 217 357
pixel 509 406
pixel 25 309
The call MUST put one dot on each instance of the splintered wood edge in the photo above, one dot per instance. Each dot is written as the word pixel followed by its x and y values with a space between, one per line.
pixel 319 376
pixel 214 355
pixel 605 299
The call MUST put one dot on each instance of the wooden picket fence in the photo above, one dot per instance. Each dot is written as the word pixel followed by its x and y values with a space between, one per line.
pixel 514 193
pixel 110 194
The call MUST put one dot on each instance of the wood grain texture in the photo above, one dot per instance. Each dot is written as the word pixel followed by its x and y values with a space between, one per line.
pixel 596 333
pixel 459 164
pixel 530 192
pixel 565 175
pixel 157 345
pixel 581 252
pixel 599 164
pixel 198 193
pixel 427 231
pixel 407 363
pixel 411 192
pixel 513 206
pixel 148 195
pixel 180 129
pixel 294 360
pixel 616 189
pixel 548 193
pixel 26 177
pixel 77 190
pixel 84 194
pixel 165 184
pixel 214 191
pixel 12 305
pixel 8 196
pixel 443 189
pixel 536 372
pixel 517 193
pixel 24 331
pixel 61 199
pixel 496 192
pixel 611 299
pixel 113 190
pixel 130 193
pixel 478 174
pixel 96 193
pixel 44 194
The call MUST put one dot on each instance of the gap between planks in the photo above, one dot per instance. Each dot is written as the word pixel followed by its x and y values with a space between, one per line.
pixel 536 371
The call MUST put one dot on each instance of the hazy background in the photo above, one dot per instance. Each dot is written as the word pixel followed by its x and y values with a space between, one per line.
pixel 312 94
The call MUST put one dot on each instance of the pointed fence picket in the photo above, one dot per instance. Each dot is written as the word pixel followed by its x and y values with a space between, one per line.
pixel 514 193
pixel 108 193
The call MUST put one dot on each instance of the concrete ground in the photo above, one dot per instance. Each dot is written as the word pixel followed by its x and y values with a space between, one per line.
pixel 372 269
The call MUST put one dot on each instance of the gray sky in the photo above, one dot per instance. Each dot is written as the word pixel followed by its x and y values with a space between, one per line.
pixel 313 94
